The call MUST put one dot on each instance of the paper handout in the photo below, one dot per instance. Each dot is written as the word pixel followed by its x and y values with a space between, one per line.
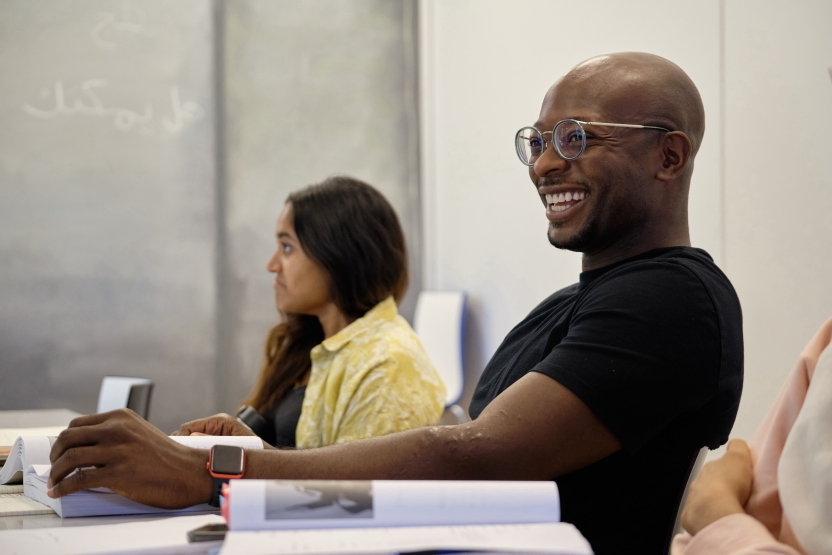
pixel 554 538
pixel 346 517
pixel 303 504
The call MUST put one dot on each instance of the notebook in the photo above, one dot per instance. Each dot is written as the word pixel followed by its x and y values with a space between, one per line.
pixel 20 505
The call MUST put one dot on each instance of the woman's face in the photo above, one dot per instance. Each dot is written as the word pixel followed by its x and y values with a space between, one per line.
pixel 301 285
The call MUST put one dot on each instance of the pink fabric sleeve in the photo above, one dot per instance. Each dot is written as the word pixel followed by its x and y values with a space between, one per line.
pixel 737 534
pixel 767 443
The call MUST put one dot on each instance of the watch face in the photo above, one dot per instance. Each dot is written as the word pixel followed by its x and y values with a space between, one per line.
pixel 227 459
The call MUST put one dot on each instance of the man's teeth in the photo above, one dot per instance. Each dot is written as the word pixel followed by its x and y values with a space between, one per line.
pixel 553 200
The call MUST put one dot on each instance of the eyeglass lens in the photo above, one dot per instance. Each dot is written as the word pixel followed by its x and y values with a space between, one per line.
pixel 529 145
pixel 569 139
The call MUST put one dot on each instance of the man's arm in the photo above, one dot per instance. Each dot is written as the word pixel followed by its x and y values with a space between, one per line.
pixel 535 430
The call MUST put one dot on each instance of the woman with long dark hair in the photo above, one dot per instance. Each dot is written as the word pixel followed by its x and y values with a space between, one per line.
pixel 342 364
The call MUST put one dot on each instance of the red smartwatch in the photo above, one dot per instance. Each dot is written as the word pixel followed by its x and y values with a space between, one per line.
pixel 225 462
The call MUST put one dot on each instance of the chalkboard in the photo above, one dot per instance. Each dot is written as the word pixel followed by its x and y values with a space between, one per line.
pixel 146 148
pixel 107 202
pixel 310 89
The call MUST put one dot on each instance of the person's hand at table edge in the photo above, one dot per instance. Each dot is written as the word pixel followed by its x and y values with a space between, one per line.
pixel 721 489
pixel 122 451
pixel 217 425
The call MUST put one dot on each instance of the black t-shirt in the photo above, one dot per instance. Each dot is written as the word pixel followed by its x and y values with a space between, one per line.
pixel 653 346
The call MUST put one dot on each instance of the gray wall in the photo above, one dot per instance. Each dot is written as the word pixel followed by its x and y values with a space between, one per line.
pixel 311 89
pixel 136 214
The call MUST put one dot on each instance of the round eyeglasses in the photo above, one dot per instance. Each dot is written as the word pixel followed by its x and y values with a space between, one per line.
pixel 568 137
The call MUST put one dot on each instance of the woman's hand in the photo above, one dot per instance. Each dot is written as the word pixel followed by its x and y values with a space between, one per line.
pixel 217 425
pixel 122 451
pixel 721 489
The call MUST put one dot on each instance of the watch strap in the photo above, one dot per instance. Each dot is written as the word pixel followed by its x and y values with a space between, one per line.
pixel 215 494
pixel 218 476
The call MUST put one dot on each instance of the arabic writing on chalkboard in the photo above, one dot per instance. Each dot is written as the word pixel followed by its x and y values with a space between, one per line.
pixel 87 102
pixel 111 27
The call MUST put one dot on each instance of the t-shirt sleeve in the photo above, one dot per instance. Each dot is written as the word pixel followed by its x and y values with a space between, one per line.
pixel 643 348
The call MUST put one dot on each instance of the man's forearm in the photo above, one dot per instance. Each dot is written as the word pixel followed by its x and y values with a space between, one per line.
pixel 437 452
pixel 535 430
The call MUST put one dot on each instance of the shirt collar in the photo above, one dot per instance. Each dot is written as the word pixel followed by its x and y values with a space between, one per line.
pixel 384 311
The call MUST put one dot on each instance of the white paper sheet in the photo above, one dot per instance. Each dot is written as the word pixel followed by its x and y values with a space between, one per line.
pixel 552 538
pixel 167 535
pixel 26 451
pixel 206 442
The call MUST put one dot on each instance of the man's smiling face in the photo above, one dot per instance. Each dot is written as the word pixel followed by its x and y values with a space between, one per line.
pixel 605 194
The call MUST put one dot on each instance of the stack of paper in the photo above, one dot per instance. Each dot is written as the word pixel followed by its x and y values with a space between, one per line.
pixel 25 451
pixel 90 502
pixel 101 501
pixel 8 437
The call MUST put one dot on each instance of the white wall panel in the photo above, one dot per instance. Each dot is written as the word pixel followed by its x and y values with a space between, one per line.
pixel 778 142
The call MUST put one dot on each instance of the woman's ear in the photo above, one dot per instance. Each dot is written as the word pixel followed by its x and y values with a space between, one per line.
pixel 675 153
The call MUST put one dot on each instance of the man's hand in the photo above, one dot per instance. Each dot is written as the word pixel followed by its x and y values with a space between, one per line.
pixel 217 425
pixel 721 489
pixel 121 451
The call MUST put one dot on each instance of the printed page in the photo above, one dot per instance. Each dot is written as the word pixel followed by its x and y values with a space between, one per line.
pixel 553 538
pixel 304 504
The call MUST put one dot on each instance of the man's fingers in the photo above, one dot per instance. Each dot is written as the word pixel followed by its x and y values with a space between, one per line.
pixel 738 447
pixel 188 428
pixel 85 478
pixel 208 426
pixel 93 419
pixel 217 425
pixel 78 457
pixel 74 437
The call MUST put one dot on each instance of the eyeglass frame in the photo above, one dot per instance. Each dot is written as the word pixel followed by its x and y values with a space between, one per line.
pixel 583 136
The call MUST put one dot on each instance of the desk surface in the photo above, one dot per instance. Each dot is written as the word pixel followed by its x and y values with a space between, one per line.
pixel 54 521
pixel 36 418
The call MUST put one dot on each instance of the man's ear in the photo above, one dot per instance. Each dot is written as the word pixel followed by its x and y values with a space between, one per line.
pixel 674 155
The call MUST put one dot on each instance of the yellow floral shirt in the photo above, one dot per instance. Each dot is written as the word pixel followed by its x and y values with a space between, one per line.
pixel 371 378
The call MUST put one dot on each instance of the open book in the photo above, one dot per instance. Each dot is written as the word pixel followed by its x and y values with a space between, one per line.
pixel 32 454
pixel 285 516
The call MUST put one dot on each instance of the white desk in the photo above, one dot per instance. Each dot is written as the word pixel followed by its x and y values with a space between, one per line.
pixel 54 521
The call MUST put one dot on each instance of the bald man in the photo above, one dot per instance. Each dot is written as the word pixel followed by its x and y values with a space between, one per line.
pixel 609 387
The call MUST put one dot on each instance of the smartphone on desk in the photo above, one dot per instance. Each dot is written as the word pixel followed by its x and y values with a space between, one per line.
pixel 207 533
